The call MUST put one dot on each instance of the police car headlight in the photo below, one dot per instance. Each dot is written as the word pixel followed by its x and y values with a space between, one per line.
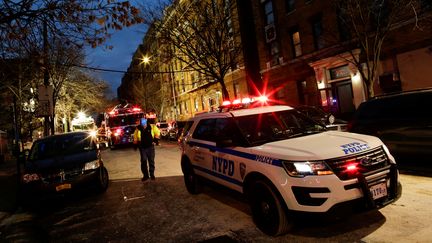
pixel 302 169
pixel 91 165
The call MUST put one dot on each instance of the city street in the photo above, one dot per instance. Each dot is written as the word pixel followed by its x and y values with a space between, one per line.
pixel 294 106
pixel 163 211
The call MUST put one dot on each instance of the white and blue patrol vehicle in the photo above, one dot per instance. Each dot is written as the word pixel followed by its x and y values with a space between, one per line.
pixel 286 163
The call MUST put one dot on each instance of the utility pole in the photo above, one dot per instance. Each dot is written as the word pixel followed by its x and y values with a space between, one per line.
pixel 48 123
pixel 171 72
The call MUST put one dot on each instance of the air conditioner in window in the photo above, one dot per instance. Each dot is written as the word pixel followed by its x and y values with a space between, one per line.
pixel 281 60
pixel 270 33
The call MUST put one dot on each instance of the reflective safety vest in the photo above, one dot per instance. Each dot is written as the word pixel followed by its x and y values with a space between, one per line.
pixel 155 132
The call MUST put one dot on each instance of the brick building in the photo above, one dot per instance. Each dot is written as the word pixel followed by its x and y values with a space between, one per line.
pixel 304 54
pixel 297 52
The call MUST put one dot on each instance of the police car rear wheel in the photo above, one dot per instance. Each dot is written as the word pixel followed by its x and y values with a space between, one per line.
pixel 191 180
pixel 267 210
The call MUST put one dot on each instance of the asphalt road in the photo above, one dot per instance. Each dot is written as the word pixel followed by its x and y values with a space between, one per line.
pixel 163 211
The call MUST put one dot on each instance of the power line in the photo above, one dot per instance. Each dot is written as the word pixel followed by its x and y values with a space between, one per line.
pixel 132 72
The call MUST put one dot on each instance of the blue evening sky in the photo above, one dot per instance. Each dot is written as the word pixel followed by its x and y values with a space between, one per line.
pixel 125 43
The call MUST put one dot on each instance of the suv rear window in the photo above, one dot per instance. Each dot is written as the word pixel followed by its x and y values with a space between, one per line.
pixel 60 146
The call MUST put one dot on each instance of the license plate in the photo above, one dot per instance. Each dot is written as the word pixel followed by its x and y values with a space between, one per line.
pixel 63 187
pixel 378 190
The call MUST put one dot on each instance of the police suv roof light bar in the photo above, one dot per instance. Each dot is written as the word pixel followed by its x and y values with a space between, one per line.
pixel 241 104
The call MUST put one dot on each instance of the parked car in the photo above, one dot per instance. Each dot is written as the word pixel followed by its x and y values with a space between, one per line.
pixel 319 115
pixel 164 128
pixel 176 130
pixel 286 164
pixel 403 121
pixel 63 162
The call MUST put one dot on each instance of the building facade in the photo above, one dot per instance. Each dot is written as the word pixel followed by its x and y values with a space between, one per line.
pixel 171 87
pixel 306 56
pixel 297 53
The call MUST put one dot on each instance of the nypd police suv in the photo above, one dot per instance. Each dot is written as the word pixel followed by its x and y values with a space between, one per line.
pixel 285 163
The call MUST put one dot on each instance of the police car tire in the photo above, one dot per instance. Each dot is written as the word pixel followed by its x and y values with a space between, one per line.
pixel 268 212
pixel 103 180
pixel 190 178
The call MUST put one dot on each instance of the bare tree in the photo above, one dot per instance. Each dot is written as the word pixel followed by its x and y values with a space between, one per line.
pixel 369 22
pixel 77 22
pixel 31 29
pixel 81 92
pixel 202 35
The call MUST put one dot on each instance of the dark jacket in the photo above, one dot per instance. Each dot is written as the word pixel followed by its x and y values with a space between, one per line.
pixel 146 136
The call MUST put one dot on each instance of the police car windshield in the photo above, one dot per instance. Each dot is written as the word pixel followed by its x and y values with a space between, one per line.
pixel 275 126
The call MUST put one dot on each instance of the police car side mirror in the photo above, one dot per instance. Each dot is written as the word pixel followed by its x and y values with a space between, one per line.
pixel 331 119
pixel 222 143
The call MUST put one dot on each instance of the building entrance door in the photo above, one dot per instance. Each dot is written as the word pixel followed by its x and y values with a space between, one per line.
pixel 343 93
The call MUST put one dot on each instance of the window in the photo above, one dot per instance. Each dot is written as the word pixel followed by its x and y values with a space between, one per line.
pixel 236 87
pixel 344 33
pixel 196 104
pixel 425 5
pixel 186 105
pixel 268 11
pixel 203 102
pixel 295 39
pixel 204 130
pixel 220 129
pixel 289 5
pixel 274 52
pixel 211 104
pixel 317 33
pixel 183 86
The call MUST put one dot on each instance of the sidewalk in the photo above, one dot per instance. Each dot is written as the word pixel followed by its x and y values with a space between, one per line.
pixel 15 224
pixel 8 186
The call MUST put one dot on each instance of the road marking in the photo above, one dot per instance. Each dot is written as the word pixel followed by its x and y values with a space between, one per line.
pixel 132 198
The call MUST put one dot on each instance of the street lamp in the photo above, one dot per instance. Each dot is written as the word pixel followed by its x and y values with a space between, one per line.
pixel 145 60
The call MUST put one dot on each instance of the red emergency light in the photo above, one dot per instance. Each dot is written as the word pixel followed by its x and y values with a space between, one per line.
pixel 243 103
pixel 136 109
pixel 118 132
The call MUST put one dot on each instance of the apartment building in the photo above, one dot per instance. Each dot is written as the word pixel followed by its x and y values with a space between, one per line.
pixel 305 55
pixel 297 52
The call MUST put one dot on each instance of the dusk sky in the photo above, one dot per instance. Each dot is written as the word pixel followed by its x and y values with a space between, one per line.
pixel 125 42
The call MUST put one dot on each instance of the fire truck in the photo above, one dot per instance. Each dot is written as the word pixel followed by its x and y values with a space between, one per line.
pixel 119 124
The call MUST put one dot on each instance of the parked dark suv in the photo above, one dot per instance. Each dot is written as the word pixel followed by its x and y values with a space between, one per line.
pixel 403 121
pixel 63 162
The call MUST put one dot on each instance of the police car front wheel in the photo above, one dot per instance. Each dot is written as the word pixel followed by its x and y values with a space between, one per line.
pixel 268 211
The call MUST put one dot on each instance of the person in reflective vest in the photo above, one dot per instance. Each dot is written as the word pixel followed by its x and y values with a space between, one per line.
pixel 144 139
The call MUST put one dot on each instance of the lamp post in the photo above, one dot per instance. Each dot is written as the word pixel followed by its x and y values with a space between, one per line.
pixel 144 61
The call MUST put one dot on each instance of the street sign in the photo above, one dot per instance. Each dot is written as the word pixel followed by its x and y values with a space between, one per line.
pixel 45 95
